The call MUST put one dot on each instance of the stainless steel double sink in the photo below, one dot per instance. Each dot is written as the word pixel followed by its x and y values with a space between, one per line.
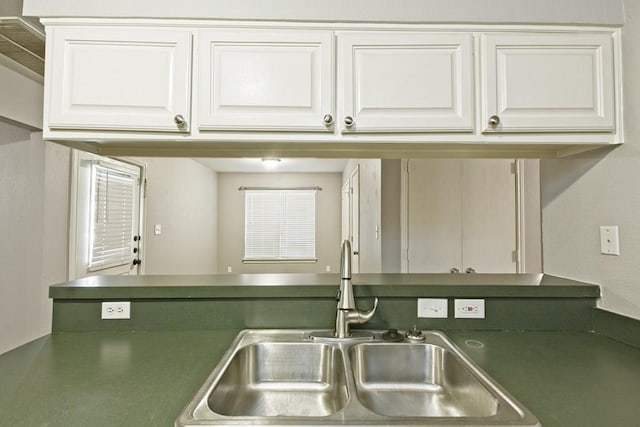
pixel 295 377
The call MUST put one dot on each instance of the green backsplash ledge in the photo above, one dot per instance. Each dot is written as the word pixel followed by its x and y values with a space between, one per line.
pixel 512 302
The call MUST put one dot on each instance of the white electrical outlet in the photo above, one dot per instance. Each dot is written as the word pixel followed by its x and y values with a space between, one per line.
pixel 434 308
pixel 609 240
pixel 229 269
pixel 116 310
pixel 468 308
pixel 328 268
pixel 157 229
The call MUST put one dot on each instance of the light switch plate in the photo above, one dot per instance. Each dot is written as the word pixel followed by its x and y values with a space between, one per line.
pixel 434 308
pixel 609 240
pixel 469 308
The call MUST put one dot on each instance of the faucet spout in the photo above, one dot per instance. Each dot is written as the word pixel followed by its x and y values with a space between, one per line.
pixel 346 311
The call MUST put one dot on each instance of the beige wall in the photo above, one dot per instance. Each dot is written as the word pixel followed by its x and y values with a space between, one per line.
pixel 182 198
pixel 34 209
pixel 231 220
pixel 391 236
pixel 581 193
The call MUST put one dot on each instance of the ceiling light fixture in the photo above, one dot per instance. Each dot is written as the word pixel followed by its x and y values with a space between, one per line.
pixel 270 162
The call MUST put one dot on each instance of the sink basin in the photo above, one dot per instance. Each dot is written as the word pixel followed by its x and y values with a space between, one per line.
pixel 418 380
pixel 296 377
pixel 281 379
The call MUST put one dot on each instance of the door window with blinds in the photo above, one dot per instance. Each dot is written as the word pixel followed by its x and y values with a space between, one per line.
pixel 106 216
pixel 280 225
pixel 113 208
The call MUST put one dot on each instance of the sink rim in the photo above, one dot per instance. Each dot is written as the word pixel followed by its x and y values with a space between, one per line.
pixel 354 412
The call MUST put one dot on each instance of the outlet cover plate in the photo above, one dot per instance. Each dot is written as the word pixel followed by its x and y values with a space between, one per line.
pixel 433 308
pixel 116 310
pixel 469 309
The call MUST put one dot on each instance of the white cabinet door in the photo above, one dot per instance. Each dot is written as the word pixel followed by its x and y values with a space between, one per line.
pixel 406 82
pixel 135 79
pixel 548 82
pixel 273 80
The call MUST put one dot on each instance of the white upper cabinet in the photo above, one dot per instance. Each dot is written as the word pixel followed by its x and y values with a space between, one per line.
pixel 550 82
pixel 252 89
pixel 265 79
pixel 406 81
pixel 115 78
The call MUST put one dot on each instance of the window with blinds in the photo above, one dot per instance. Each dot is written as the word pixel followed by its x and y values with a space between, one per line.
pixel 113 199
pixel 280 225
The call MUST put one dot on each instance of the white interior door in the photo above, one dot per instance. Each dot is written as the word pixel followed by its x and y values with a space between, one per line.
pixel 489 216
pixel 461 214
pixel 355 219
pixel 346 211
pixel 434 215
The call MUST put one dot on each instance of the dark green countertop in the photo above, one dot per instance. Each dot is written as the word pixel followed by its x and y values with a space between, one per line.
pixel 123 378
pixel 322 286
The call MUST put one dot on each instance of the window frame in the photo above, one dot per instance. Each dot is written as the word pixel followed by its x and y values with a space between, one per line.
pixel 278 258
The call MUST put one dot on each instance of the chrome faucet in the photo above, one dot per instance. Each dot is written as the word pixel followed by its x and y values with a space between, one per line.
pixel 346 311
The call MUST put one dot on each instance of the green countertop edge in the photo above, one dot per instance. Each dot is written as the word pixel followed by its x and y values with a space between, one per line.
pixel 616 326
pixel 322 286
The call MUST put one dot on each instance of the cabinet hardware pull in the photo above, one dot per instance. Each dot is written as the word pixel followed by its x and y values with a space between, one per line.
pixel 348 121
pixel 327 119
pixel 179 120
pixel 494 121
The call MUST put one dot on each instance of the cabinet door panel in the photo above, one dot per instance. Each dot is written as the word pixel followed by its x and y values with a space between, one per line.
pixel 119 79
pixel 542 82
pixel 265 80
pixel 407 82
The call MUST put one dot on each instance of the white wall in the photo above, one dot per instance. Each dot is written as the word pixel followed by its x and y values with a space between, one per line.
pixel 34 202
pixel 509 11
pixel 231 220
pixel 21 98
pixel 581 193
pixel 182 198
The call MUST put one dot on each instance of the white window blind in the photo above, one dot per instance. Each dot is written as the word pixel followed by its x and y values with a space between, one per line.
pixel 280 225
pixel 113 193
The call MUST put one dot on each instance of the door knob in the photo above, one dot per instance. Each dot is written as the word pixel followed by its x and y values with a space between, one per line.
pixel 137 262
